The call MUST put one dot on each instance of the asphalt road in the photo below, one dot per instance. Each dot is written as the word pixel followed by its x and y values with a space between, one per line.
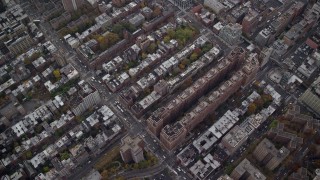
pixel 142 173
pixel 133 125
pixel 83 170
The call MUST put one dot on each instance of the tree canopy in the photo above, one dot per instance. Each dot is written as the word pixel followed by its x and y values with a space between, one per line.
pixel 57 73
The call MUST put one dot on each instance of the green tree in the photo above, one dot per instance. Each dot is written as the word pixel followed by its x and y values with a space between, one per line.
pixel 64 31
pixel 64 155
pixel 26 61
pixel 171 33
pixel 166 39
pixel 144 55
pixel 16 144
pixel 152 48
pixel 112 38
pixel 118 28
pixel 194 56
pixel 267 99
pixel 184 34
pixel 39 128
pixel 79 118
pixel 128 26
pixel 136 166
pixel 45 169
pixel 28 154
pixel 206 47
pixel 273 124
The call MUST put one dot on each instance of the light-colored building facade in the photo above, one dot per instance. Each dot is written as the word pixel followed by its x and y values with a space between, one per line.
pixel 311 97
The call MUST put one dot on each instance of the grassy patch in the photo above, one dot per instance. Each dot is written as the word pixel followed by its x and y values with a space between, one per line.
pixel 107 159
pixel 273 124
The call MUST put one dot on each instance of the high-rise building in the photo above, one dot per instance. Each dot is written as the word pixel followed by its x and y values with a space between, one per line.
pixel 265 37
pixel 245 170
pixel 250 22
pixel 72 5
pixel 172 135
pixel 83 97
pixel 231 33
pixel 265 56
pixel 235 138
pixel 311 97
pixel 291 140
pixel 267 154
pixel 251 68
pixel 132 149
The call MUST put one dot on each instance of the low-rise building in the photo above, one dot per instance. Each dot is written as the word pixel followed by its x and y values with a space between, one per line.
pixel 137 20
pixel 84 97
pixel 202 168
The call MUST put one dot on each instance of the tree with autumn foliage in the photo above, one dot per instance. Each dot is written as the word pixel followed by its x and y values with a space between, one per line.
pixel 194 56
pixel 267 99
pixel 57 73
pixel 152 48
pixel 259 103
pixel 197 51
pixel 251 109
pixel 156 11
pixel 108 40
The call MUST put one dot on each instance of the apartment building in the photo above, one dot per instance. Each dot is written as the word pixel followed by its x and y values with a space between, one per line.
pixel 245 170
pixel 169 112
pixel 132 149
pixel 83 97
pixel 72 5
pixel 268 155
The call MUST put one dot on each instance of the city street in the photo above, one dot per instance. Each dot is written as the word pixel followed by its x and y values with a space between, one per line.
pixel 138 126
